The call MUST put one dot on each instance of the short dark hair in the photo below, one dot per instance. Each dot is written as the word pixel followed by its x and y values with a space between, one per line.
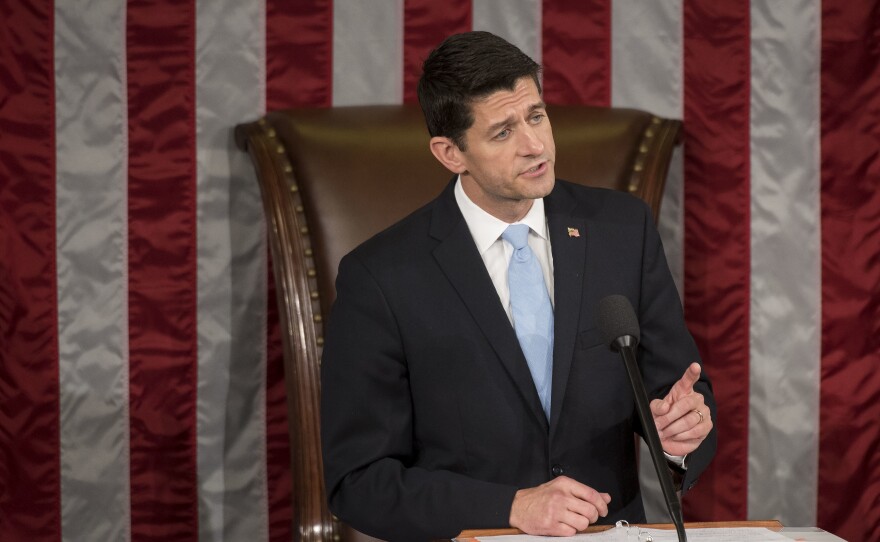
pixel 464 68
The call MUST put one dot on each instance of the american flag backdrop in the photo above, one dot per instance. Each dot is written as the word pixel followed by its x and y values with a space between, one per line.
pixel 141 385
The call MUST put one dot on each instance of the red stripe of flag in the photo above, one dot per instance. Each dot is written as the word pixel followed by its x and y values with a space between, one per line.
pixel 299 72
pixel 717 237
pixel 425 25
pixel 299 53
pixel 849 438
pixel 30 506
pixel 162 269
pixel 577 52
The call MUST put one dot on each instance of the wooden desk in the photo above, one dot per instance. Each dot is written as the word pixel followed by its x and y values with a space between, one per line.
pixel 471 534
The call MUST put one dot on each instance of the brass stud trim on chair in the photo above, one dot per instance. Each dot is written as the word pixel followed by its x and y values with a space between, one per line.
pixel 311 273
pixel 271 133
pixel 638 168
pixel 317 318
pixel 304 230
pixel 308 252
pixel 279 149
pixel 314 294
pixel 294 188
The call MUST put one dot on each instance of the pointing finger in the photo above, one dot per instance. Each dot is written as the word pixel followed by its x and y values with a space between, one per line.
pixel 686 384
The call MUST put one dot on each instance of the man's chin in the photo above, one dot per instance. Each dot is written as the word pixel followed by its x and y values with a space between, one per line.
pixel 541 187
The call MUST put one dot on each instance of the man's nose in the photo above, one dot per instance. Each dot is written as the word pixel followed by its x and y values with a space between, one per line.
pixel 530 143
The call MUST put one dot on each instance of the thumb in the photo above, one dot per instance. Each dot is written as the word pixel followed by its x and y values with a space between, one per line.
pixel 660 407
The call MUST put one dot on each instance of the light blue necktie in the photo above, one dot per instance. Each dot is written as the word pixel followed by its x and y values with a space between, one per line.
pixel 531 309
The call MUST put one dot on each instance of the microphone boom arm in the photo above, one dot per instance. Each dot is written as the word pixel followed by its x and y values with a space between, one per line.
pixel 626 346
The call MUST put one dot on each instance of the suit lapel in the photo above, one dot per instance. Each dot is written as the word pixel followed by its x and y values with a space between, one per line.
pixel 569 239
pixel 459 259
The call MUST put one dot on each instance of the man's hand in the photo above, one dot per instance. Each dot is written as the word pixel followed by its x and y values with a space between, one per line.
pixel 561 507
pixel 682 418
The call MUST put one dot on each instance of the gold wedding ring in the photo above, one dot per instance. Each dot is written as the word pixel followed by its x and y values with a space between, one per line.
pixel 700 414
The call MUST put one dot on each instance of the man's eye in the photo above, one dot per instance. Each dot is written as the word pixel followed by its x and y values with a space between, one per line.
pixel 538 118
pixel 503 134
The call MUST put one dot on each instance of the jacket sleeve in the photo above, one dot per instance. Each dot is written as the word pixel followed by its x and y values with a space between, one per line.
pixel 367 430
pixel 666 347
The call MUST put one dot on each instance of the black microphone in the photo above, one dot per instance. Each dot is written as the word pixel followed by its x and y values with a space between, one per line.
pixel 620 328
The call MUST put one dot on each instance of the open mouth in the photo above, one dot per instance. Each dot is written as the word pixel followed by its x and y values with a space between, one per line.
pixel 537 170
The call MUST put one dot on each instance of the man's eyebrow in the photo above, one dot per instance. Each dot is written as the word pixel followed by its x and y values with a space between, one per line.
pixel 537 105
pixel 509 120
pixel 499 125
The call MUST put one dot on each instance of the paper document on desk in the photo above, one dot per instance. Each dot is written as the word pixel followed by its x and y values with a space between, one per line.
pixel 636 534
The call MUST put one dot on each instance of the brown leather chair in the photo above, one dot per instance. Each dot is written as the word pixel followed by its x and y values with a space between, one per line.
pixel 331 178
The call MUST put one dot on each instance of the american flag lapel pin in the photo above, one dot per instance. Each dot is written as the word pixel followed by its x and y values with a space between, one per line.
pixel 573 232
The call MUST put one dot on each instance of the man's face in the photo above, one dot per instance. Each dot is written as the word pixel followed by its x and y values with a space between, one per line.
pixel 510 152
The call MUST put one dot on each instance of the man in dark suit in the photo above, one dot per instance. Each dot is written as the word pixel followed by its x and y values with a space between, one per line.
pixel 451 398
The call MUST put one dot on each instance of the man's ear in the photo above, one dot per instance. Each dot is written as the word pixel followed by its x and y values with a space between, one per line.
pixel 448 154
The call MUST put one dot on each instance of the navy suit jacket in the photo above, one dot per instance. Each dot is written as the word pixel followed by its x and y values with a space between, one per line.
pixel 430 418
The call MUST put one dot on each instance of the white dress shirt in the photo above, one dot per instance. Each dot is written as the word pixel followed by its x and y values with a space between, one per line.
pixel 486 231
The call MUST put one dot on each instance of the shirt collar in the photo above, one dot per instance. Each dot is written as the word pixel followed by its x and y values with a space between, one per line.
pixel 486 229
